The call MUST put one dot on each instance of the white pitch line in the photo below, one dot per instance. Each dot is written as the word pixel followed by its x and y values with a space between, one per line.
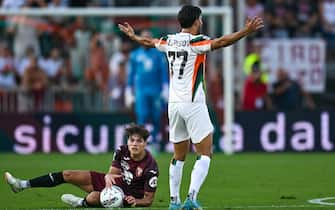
pixel 320 201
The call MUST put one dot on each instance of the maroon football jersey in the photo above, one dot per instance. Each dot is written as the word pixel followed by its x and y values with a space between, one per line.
pixel 137 176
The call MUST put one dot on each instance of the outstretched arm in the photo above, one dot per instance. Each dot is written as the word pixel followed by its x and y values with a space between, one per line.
pixel 129 31
pixel 252 25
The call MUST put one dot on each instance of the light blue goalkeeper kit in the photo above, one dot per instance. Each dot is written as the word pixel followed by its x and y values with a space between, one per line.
pixel 148 78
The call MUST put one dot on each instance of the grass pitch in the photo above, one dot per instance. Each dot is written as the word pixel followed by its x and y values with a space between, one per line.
pixel 241 181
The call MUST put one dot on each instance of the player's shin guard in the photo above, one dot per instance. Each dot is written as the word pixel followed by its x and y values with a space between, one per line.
pixel 175 176
pixel 198 176
pixel 49 180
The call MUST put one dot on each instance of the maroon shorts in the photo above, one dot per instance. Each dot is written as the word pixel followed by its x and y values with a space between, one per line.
pixel 98 180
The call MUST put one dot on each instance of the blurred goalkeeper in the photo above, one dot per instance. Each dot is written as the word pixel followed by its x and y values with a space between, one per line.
pixel 188 114
pixel 148 81
pixel 133 169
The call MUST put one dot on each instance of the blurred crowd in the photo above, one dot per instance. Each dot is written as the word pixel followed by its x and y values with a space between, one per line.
pixel 71 55
pixel 286 19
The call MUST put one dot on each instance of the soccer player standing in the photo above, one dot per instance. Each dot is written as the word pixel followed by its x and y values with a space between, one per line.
pixel 187 110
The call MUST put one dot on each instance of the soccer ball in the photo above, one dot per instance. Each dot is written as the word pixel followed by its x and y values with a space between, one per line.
pixel 111 197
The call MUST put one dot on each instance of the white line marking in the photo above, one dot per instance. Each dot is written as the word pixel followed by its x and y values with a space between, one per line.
pixel 321 201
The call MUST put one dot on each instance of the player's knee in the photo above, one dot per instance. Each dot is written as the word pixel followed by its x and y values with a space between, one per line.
pixel 68 175
pixel 208 153
pixel 180 157
pixel 205 146
pixel 204 150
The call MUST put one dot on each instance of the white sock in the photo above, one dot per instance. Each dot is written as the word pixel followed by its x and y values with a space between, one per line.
pixel 198 176
pixel 24 184
pixel 175 175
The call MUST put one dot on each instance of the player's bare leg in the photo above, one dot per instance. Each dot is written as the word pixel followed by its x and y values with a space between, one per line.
pixel 181 150
pixel 176 172
pixel 199 172
pixel 79 178
pixel 205 146
pixel 82 179
pixel 93 199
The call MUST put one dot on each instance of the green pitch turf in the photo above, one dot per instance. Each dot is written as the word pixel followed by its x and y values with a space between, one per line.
pixel 242 181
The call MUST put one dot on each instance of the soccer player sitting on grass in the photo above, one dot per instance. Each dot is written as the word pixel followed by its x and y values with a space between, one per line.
pixel 188 114
pixel 133 169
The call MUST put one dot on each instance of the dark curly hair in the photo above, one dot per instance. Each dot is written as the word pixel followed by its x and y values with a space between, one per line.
pixel 137 129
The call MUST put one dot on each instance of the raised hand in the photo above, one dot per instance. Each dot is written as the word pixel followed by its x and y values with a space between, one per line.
pixel 127 29
pixel 254 24
pixel 142 40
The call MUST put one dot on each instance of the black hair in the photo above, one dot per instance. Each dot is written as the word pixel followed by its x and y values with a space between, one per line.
pixel 187 15
pixel 137 129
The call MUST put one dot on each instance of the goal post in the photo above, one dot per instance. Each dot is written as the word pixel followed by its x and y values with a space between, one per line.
pixel 227 53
